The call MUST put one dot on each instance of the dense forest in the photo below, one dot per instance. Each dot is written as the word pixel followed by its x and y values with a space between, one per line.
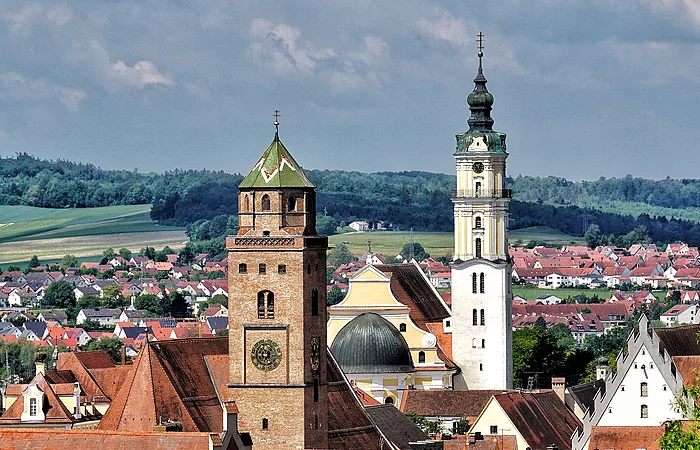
pixel 666 210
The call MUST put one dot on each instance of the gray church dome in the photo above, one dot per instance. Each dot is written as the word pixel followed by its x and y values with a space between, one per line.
pixel 371 344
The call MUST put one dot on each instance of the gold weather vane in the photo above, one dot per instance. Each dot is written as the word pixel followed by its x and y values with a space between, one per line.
pixel 481 41
pixel 277 116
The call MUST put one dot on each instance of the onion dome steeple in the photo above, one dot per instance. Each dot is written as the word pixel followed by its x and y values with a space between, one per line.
pixel 480 102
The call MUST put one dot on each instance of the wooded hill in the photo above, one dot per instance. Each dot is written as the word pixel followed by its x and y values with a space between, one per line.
pixel 669 210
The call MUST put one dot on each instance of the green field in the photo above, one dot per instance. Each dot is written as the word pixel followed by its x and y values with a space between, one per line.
pixel 532 292
pixel 390 243
pixel 52 233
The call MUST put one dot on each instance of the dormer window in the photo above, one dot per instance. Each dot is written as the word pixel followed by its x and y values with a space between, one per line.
pixel 32 407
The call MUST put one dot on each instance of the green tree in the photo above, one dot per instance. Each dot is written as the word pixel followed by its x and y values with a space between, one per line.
pixel 69 261
pixel 160 257
pixel 334 296
pixel 325 225
pixel 112 296
pixel 219 299
pixel 34 262
pixel 91 325
pixel 541 323
pixel 535 353
pixel 462 426
pixel 562 334
pixel 59 294
pixel 592 235
pixel 187 254
pixel 111 345
pixel 415 249
pixel 178 304
pixel 150 303
pixel 125 253
pixel 162 275
pixel 13 268
pixel 341 254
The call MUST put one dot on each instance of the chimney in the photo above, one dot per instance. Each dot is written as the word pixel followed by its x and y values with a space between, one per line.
pixel 122 353
pixel 40 363
pixel 76 400
pixel 559 386
pixel 3 389
pixel 602 369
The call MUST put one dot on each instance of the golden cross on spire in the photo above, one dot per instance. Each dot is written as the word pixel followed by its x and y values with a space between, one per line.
pixel 369 246
pixel 481 41
pixel 277 116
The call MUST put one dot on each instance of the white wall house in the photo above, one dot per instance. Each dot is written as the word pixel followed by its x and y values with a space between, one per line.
pixel 680 314
pixel 640 393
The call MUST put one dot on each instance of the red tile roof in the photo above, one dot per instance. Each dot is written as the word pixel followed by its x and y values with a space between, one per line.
pixel 437 403
pixel 626 438
pixel 56 439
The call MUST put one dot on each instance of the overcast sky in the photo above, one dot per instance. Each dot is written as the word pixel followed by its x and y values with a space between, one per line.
pixel 583 88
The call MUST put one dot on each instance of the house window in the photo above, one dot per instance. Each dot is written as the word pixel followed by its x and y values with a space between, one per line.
pixel 266 204
pixel 475 320
pixel 651 365
pixel 388 401
pixel 482 283
pixel 645 412
pixel 474 284
pixel 402 327
pixel 635 365
pixel 622 388
pixel 644 390
pixel 477 222
pixel 265 424
pixel 493 429
pixel 242 268
pixel 483 343
pixel 478 247
pixel 291 203
pixel 483 317
pixel 481 367
pixel 262 269
pixel 664 387
pixel 421 357
pixel 282 269
pixel 266 305
pixel 32 407
pixel 314 302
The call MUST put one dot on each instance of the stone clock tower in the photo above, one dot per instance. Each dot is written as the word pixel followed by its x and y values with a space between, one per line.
pixel 277 308
pixel 481 271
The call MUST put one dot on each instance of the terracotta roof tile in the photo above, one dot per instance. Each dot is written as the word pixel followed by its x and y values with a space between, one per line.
pixel 33 439
pixel 436 403
pixel 626 438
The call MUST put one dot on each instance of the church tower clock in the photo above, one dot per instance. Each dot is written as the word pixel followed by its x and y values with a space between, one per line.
pixel 481 271
pixel 277 307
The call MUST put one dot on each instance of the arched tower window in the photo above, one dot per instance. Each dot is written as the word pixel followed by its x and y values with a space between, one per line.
pixel 477 245
pixel 477 222
pixel 645 412
pixel 474 283
pixel 643 390
pixel 314 302
pixel 246 202
pixel 421 357
pixel 266 202
pixel 477 189
pixel 474 318
pixel 482 283
pixel 483 317
pixel 292 203
pixel 266 305
pixel 402 327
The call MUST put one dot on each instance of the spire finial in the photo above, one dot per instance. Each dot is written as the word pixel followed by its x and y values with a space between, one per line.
pixel 480 101
pixel 481 41
pixel 277 115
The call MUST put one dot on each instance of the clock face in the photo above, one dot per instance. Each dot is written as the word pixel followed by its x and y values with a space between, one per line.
pixel 266 355
pixel 478 167
pixel 315 358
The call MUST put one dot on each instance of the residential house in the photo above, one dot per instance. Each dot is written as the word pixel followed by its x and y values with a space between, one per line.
pixel 537 419
pixel 359 225
pixel 441 280
pixel 681 315
pixel 82 291
pixel 132 315
pixel 214 311
pixel 57 316
pixel 106 316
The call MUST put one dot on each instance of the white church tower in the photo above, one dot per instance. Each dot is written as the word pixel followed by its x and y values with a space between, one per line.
pixel 481 271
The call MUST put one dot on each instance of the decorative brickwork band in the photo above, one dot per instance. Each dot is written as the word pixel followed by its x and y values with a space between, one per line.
pixel 481 193
pixel 264 242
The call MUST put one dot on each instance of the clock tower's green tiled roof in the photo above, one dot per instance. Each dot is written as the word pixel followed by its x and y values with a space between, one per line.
pixel 276 168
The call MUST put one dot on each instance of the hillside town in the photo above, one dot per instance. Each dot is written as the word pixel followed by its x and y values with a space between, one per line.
pixel 282 342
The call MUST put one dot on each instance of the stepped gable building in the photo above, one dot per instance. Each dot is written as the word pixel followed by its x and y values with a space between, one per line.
pixel 481 271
